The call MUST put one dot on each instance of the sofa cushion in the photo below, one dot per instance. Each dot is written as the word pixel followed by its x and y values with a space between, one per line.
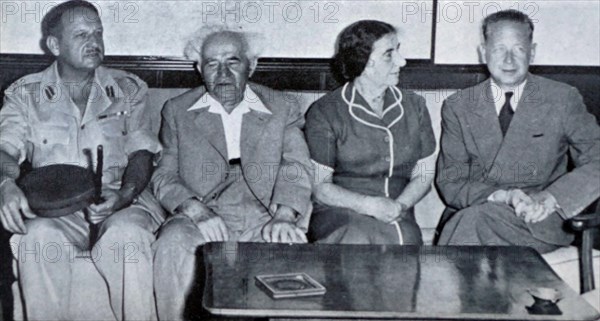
pixel 593 298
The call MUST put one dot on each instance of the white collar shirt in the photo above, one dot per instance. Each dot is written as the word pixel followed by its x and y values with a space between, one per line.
pixel 232 122
pixel 499 97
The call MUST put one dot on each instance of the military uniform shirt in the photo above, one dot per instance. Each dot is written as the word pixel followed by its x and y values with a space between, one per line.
pixel 39 121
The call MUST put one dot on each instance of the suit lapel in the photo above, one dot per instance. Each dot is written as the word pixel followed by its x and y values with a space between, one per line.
pixel 253 125
pixel 210 127
pixel 528 112
pixel 484 124
pixel 528 116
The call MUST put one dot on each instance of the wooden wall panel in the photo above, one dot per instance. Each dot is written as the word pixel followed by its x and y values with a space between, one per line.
pixel 308 74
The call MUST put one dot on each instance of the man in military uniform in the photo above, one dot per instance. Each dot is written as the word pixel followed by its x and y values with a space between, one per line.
pixel 50 118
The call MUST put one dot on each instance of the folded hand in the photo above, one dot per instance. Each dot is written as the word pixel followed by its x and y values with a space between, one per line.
pixel 382 208
pixel 112 201
pixel 282 227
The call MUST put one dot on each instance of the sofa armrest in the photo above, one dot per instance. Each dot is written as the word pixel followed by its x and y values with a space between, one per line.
pixel 585 221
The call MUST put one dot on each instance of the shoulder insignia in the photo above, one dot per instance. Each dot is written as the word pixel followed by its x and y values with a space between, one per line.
pixel 110 91
pixel 128 85
pixel 50 91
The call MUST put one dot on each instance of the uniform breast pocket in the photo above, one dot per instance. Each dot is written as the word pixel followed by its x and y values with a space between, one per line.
pixel 50 144
pixel 114 137
pixel 47 136
pixel 114 128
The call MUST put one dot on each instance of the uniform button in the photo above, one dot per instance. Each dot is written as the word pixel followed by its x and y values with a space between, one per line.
pixel 387 158
pixel 213 196
pixel 386 139
pixel 82 127
pixel 45 141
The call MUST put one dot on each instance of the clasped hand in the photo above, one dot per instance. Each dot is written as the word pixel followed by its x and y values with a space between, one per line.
pixel 531 208
pixel 112 201
pixel 382 208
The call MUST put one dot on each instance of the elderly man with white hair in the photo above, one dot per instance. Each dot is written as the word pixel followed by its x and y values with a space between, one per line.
pixel 235 166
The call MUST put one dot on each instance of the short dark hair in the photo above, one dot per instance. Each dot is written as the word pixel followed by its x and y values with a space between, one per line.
pixel 510 15
pixel 52 22
pixel 355 44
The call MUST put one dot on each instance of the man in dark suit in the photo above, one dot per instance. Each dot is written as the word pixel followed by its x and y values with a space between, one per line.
pixel 505 144
pixel 235 166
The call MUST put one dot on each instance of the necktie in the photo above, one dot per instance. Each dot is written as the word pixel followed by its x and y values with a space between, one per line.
pixel 506 113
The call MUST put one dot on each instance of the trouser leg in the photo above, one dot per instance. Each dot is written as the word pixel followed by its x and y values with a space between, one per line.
pixel 490 224
pixel 174 266
pixel 178 275
pixel 125 239
pixel 43 262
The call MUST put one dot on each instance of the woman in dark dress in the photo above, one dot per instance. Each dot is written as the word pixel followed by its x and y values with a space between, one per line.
pixel 371 143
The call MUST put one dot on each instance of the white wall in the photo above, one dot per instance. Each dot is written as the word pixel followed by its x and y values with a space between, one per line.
pixel 298 28
pixel 566 32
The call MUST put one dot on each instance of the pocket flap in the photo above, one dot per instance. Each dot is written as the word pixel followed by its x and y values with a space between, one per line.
pixel 52 134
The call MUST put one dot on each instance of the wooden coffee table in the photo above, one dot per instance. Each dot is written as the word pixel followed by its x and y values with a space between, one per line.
pixel 385 281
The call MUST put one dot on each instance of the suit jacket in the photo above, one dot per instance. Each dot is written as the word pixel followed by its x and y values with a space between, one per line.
pixel 274 155
pixel 551 121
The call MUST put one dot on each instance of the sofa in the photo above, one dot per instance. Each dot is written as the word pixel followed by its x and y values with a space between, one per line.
pixel 427 212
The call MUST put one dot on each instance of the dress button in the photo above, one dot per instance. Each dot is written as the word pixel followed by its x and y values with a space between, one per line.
pixel 45 141
pixel 387 158
pixel 82 127
pixel 386 139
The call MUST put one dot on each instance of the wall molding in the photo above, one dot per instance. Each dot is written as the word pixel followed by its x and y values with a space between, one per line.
pixel 417 74
pixel 307 74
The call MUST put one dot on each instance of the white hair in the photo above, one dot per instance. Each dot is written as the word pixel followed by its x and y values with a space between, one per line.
pixel 253 41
